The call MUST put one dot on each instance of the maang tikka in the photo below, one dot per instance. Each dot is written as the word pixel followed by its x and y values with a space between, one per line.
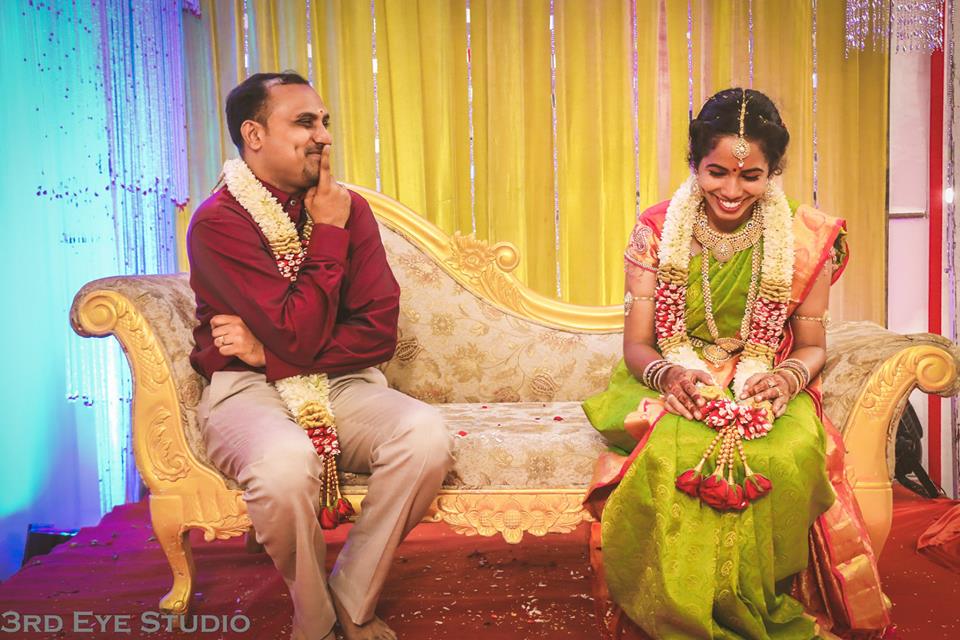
pixel 741 148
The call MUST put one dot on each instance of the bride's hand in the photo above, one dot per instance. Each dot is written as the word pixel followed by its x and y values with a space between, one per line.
pixel 769 387
pixel 680 391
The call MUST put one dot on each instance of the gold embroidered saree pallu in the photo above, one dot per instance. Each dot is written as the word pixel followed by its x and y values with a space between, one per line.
pixel 795 563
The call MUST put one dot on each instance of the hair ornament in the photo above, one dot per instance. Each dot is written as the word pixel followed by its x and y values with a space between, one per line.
pixel 741 148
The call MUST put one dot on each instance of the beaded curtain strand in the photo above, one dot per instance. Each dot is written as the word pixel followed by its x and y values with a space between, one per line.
pixel 813 102
pixel 689 60
pixel 751 42
pixel 635 68
pixel 114 203
pixel 914 25
pixel 556 171
pixel 309 22
pixel 376 99
pixel 473 164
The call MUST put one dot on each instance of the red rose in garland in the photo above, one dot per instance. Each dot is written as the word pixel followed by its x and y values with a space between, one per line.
pixel 689 482
pixel 716 492
pixel 734 423
pixel 755 486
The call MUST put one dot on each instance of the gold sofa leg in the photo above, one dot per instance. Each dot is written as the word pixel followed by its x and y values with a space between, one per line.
pixel 166 515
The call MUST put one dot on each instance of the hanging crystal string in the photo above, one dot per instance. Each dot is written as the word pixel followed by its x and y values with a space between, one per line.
pixel 913 25
pixel 246 40
pixel 141 88
pixel 917 25
pixel 814 95
pixel 750 40
pixel 376 94
pixel 473 172
pixel 191 6
pixel 309 42
pixel 556 171
pixel 635 65
pixel 689 60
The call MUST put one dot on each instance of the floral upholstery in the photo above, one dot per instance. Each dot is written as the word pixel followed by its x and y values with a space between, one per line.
pixel 509 388
pixel 518 445
pixel 455 347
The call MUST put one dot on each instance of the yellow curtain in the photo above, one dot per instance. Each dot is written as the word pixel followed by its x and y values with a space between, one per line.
pixel 852 125
pixel 341 33
pixel 279 31
pixel 784 70
pixel 507 189
pixel 214 55
pixel 423 108
pixel 595 148
pixel 513 132
pixel 851 118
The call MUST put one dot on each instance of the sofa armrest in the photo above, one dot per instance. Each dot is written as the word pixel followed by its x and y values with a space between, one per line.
pixel 874 370
pixel 153 319
pixel 855 350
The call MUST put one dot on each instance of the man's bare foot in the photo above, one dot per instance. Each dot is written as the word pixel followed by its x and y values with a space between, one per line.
pixel 376 629
pixel 297 635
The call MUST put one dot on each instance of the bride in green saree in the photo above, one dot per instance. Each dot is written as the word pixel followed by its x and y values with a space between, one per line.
pixel 723 507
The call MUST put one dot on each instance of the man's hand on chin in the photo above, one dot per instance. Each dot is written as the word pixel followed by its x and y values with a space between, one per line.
pixel 329 201
pixel 232 338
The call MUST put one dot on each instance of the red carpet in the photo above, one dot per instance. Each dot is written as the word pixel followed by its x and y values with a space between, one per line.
pixel 443 585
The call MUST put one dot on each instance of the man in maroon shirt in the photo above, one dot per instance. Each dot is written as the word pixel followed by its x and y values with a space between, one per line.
pixel 338 317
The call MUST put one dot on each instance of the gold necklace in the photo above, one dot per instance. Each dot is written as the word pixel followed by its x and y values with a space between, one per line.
pixel 723 349
pixel 724 245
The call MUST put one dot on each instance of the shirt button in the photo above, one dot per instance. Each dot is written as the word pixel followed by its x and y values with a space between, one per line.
pixel 293 203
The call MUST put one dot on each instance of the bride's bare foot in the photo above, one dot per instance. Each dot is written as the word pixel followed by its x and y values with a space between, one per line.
pixel 376 629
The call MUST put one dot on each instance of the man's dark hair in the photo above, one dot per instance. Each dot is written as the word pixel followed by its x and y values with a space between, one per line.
pixel 248 100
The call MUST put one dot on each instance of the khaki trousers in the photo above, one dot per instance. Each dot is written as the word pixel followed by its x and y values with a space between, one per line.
pixel 251 437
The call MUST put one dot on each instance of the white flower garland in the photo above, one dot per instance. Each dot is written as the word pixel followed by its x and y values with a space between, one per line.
pixel 776 278
pixel 306 396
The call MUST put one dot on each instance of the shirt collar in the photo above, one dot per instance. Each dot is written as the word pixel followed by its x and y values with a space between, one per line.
pixel 291 203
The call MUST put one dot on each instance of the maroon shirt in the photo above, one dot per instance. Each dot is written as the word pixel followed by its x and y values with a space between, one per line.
pixel 339 316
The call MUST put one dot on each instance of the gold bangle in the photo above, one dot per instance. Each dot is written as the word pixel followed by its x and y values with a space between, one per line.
pixel 798 369
pixel 793 375
pixel 629 299
pixel 823 320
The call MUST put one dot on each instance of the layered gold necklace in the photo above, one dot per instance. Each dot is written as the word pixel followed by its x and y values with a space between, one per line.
pixel 723 246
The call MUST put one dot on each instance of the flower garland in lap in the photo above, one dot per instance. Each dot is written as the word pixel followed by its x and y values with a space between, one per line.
pixel 306 396
pixel 733 421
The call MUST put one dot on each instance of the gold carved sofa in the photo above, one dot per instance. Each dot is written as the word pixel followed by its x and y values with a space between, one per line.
pixel 507 368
